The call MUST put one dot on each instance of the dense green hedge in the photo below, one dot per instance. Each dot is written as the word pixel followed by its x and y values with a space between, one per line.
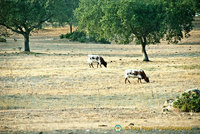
pixel 81 36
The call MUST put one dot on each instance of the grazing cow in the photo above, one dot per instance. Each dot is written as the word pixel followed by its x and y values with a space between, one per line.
pixel 135 73
pixel 96 58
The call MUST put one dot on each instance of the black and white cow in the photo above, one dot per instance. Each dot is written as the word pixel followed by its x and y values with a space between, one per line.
pixel 96 59
pixel 135 73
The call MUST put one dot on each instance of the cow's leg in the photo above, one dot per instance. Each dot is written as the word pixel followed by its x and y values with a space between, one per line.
pixel 100 66
pixel 92 65
pixel 128 80
pixel 89 65
pixel 97 65
pixel 139 80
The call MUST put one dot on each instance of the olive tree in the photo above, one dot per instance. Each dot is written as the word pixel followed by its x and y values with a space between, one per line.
pixel 23 16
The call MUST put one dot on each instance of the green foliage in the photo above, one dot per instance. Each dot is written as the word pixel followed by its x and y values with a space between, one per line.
pixel 188 102
pixel 81 36
pixel 64 12
pixel 142 21
pixel 75 36
pixel 196 4
pixel 68 35
pixel 2 40
pixel 62 36
pixel 78 35
pixel 89 14
pixel 178 22
pixel 23 16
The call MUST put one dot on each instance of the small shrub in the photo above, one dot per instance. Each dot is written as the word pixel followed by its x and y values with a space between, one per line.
pixel 62 36
pixel 19 48
pixel 188 102
pixel 95 38
pixel 82 39
pixel 76 35
pixel 2 40
pixel 104 41
pixel 92 39
pixel 67 36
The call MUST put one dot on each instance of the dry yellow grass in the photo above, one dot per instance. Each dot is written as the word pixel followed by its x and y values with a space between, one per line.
pixel 54 88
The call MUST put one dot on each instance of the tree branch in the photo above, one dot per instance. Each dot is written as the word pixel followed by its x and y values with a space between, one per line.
pixel 14 30
pixel 37 25
pixel 21 30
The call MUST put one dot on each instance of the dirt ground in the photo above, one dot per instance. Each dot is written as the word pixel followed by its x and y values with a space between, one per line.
pixel 53 90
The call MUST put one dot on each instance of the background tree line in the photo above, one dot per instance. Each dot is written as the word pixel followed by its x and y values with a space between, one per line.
pixel 123 21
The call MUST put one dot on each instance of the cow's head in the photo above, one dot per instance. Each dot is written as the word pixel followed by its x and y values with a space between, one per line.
pixel 105 64
pixel 146 79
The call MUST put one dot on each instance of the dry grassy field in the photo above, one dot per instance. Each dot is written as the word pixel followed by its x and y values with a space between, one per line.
pixel 52 88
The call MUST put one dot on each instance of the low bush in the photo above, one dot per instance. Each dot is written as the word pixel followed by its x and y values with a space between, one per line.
pixel 62 36
pixel 78 35
pixel 82 37
pixel 188 102
pixel 2 40
pixel 104 41
pixel 67 36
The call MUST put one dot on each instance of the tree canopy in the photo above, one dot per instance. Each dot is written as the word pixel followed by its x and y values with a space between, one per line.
pixel 22 16
pixel 64 12
pixel 142 21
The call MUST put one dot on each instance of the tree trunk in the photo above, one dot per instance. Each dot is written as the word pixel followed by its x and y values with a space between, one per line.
pixel 144 42
pixel 70 25
pixel 26 42
pixel 144 53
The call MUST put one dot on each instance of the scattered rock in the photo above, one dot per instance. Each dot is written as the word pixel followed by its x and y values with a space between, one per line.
pixel 169 102
pixel 103 125
pixel 63 110
pixel 101 107
pixel 88 130
pixel 168 105
pixel 165 110
pixel 109 87
pixel 5 127
pixel 131 124
pixel 153 112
